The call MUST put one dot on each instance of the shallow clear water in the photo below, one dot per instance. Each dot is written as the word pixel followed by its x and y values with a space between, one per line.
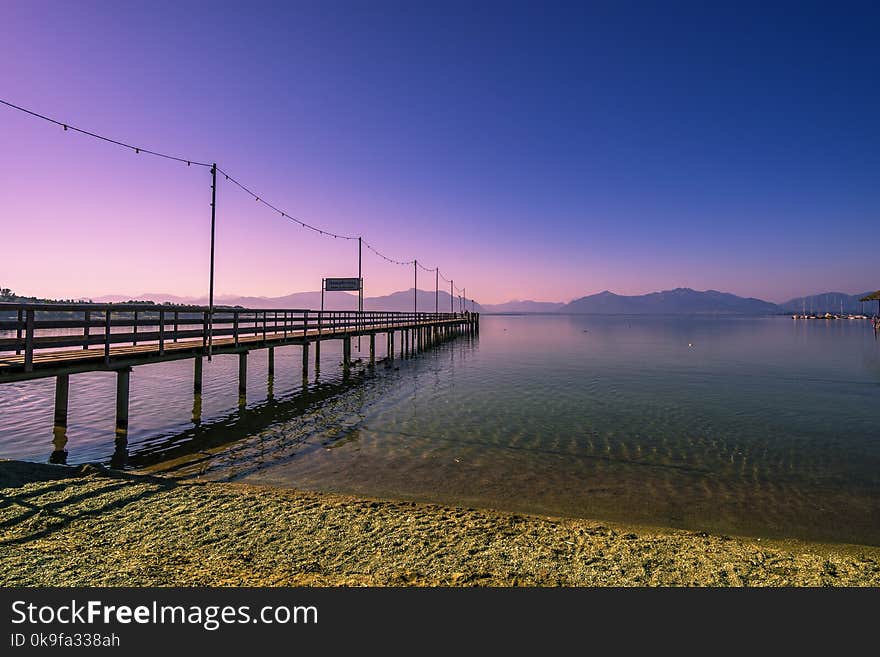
pixel 763 426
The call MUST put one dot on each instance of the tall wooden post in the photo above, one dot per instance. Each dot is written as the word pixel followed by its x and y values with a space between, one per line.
pixel 436 290
pixel 306 360
pixel 271 351
pixel 415 286
pixel 211 284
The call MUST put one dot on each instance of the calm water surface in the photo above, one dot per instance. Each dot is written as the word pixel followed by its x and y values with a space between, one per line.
pixel 762 426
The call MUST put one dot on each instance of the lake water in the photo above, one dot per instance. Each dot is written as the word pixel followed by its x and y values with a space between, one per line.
pixel 758 426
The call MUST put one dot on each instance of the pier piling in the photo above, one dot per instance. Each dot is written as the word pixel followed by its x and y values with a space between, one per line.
pixel 271 351
pixel 62 386
pixel 197 375
pixel 123 377
pixel 346 352
pixel 242 373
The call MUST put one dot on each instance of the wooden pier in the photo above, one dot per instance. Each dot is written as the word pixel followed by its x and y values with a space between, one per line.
pixel 58 340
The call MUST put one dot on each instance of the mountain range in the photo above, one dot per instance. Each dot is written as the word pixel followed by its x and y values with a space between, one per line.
pixel 677 301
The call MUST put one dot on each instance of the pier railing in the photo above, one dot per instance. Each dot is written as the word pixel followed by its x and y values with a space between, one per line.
pixel 94 326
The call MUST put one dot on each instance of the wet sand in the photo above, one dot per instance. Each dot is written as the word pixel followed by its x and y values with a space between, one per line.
pixel 62 526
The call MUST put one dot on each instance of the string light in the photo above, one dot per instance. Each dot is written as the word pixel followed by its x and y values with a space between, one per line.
pixel 137 149
pixel 189 162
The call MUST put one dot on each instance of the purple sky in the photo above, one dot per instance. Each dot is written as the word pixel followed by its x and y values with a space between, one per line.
pixel 532 154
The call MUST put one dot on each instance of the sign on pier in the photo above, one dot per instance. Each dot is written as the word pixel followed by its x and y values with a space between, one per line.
pixel 342 284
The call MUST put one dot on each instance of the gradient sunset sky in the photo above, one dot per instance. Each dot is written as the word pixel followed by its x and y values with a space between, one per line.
pixel 531 150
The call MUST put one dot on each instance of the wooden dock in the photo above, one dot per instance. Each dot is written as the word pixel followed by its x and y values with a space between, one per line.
pixel 57 340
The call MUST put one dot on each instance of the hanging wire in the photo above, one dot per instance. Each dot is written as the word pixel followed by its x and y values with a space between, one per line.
pixel 284 214
pixel 259 199
pixel 136 149
pixel 385 257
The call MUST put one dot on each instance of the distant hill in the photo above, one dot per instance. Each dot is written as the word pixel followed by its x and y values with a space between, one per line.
pixel 678 301
pixel 523 307
pixel 829 302
pixel 397 301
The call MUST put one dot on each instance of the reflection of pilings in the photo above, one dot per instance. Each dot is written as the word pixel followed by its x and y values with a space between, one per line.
pixel 59 443
pixel 120 454
pixel 62 386
pixel 122 389
pixel 197 376
pixel 391 345
pixel 197 409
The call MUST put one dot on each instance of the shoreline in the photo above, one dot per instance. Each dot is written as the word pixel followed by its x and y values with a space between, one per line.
pixel 87 526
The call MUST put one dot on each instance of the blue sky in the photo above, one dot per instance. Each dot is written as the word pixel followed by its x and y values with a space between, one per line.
pixel 530 150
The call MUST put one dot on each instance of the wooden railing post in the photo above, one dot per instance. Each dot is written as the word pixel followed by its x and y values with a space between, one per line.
pixel 264 326
pixel 29 341
pixel 88 318
pixel 205 329
pixel 235 326
pixel 176 321
pixel 161 332
pixel 18 332
pixel 306 323
pixel 135 340
pixel 107 315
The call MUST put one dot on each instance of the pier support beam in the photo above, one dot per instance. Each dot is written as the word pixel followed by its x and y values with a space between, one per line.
pixel 242 374
pixel 123 377
pixel 317 356
pixel 390 345
pixel 62 386
pixel 271 351
pixel 346 353
pixel 306 360
pixel 197 375
pixel 372 348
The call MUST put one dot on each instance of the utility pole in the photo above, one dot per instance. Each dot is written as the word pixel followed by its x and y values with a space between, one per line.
pixel 360 293
pixel 211 284
pixel 436 290
pixel 415 286
pixel 451 297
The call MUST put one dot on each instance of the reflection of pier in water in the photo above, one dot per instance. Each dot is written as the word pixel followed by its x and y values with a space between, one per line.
pixel 117 337
pixel 298 415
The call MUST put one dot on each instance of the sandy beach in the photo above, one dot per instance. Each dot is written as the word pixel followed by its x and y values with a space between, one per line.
pixel 64 526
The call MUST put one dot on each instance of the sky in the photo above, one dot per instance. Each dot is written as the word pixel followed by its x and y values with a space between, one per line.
pixel 529 150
